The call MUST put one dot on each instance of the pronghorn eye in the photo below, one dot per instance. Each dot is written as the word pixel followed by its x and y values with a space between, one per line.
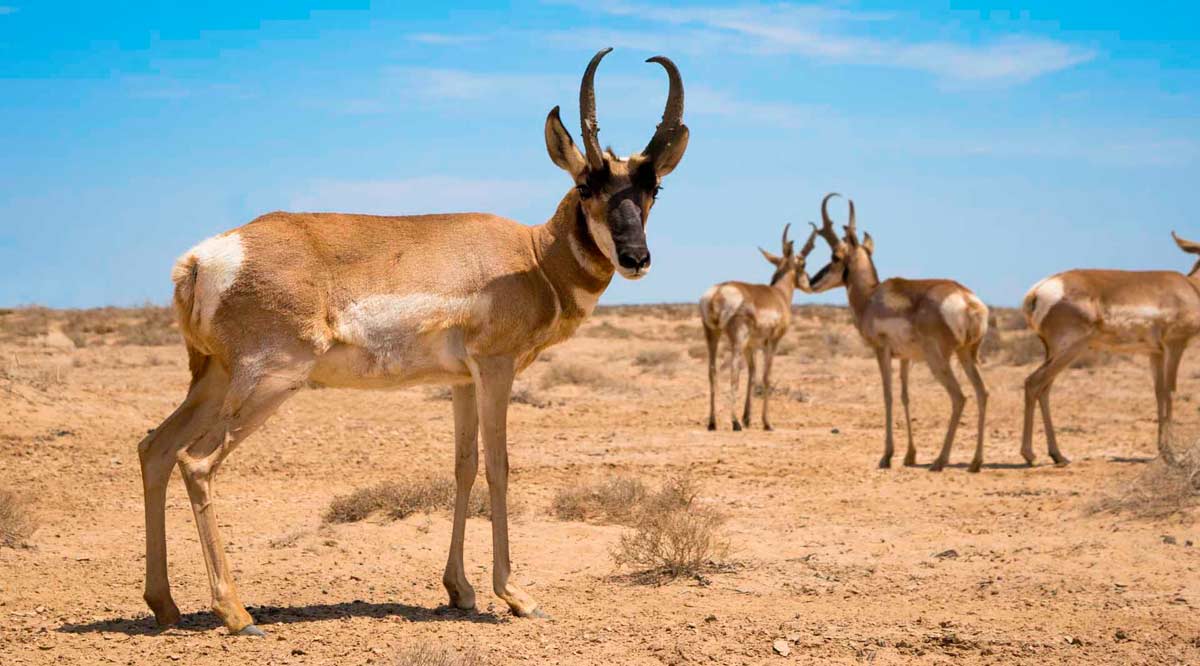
pixel 585 192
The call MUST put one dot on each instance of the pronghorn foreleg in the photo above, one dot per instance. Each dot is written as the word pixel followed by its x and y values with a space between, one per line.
pixel 883 355
pixel 466 466
pixel 712 338
pixel 768 359
pixel 493 385
pixel 751 369
pixel 739 336
pixel 1171 360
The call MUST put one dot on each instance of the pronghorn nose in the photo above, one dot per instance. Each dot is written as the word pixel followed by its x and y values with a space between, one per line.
pixel 634 259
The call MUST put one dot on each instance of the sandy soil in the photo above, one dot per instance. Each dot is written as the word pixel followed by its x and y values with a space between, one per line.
pixel 843 562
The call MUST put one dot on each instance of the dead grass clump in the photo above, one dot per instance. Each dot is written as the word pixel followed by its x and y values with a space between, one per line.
pixel 525 396
pixel 576 374
pixel 606 329
pixel 1020 349
pixel 673 536
pixel 656 358
pixel 616 501
pixel 1160 491
pixel 426 654
pixel 400 499
pixel 698 351
pixel 16 520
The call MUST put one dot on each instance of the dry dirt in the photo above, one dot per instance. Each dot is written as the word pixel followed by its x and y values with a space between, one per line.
pixel 833 560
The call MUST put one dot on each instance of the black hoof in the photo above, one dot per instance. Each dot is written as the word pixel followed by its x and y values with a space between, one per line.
pixel 252 631
pixel 712 426
pixel 737 426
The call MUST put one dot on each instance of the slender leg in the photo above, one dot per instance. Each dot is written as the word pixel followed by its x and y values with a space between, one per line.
pixel 1037 390
pixel 466 466
pixel 768 359
pixel 737 349
pixel 712 337
pixel 751 371
pixel 1171 360
pixel 910 456
pixel 157 452
pixel 884 356
pixel 493 386
pixel 1162 396
pixel 970 364
pixel 939 364
pixel 249 402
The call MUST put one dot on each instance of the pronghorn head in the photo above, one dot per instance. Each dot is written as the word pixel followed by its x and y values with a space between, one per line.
pixel 616 194
pixel 848 252
pixel 790 261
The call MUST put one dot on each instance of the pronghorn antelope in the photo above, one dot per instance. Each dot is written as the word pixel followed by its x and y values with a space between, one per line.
pixel 911 320
pixel 752 316
pixel 379 302
pixel 1156 313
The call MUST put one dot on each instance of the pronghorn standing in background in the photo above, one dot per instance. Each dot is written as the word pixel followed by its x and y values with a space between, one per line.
pixel 912 320
pixel 377 302
pixel 1156 313
pixel 752 316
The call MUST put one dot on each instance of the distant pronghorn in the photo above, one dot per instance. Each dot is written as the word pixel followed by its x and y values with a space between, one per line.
pixel 911 320
pixel 753 317
pixel 1156 313
pixel 365 301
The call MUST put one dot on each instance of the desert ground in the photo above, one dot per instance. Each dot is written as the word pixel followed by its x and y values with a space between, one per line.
pixel 830 559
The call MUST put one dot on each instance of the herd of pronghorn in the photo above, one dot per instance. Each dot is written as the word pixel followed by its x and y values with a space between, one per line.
pixel 470 300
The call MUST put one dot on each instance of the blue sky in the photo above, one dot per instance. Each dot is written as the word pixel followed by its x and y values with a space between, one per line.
pixel 994 143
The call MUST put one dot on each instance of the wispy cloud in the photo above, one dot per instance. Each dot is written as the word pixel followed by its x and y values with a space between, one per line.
pixel 6 9
pixel 445 39
pixel 423 195
pixel 829 34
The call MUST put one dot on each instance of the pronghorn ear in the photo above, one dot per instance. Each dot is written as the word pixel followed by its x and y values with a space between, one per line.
pixel 868 243
pixel 1186 245
pixel 666 161
pixel 773 258
pixel 561 148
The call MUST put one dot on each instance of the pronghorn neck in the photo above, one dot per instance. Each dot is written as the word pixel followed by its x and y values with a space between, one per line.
pixel 861 282
pixel 785 283
pixel 570 259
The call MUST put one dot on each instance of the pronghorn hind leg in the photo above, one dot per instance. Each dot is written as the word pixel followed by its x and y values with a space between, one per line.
pixel 712 338
pixel 466 466
pixel 738 338
pixel 910 455
pixel 251 399
pixel 1171 360
pixel 751 369
pixel 884 356
pixel 1037 392
pixel 1162 396
pixel 156 453
pixel 969 357
pixel 939 365
pixel 768 359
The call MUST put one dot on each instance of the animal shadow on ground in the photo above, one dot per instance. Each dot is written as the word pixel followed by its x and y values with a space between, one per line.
pixel 268 615
pixel 962 465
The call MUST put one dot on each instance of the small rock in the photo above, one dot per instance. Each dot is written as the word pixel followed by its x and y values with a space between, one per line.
pixel 793 638
pixel 782 648
pixel 947 554
pixel 1121 635
pixel 711 618
pixel 835 431
pixel 1073 640
pixel 1169 540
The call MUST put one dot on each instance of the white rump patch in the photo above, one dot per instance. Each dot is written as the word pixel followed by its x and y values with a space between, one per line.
pixel 954 313
pixel 218 261
pixel 1047 293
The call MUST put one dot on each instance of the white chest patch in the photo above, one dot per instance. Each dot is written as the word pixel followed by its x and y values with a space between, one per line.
pixel 218 261
pixel 1048 293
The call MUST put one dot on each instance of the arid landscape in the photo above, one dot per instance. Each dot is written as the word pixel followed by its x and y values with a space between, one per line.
pixel 783 547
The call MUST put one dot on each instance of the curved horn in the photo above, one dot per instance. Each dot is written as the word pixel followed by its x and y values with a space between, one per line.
pixel 785 232
pixel 587 111
pixel 811 242
pixel 673 112
pixel 851 229
pixel 827 231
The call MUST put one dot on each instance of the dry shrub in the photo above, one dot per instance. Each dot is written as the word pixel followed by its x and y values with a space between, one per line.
pixel 1160 491
pixel 834 341
pixel 615 501
pixel 399 500
pixel 787 346
pixel 656 358
pixel 672 535
pixel 606 329
pixel 1020 349
pixel 16 520
pixel 427 654
pixel 525 396
pixel 576 374
pixel 698 351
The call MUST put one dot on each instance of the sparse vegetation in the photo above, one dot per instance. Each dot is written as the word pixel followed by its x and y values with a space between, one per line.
pixel 426 654
pixel 17 523
pixel 1161 490
pixel 149 325
pixel 605 329
pixel 672 535
pixel 577 374
pixel 616 500
pixel 660 357
pixel 401 499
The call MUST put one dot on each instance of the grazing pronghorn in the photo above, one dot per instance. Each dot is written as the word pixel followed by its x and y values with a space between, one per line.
pixel 752 316
pixel 911 320
pixel 378 302
pixel 1156 313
